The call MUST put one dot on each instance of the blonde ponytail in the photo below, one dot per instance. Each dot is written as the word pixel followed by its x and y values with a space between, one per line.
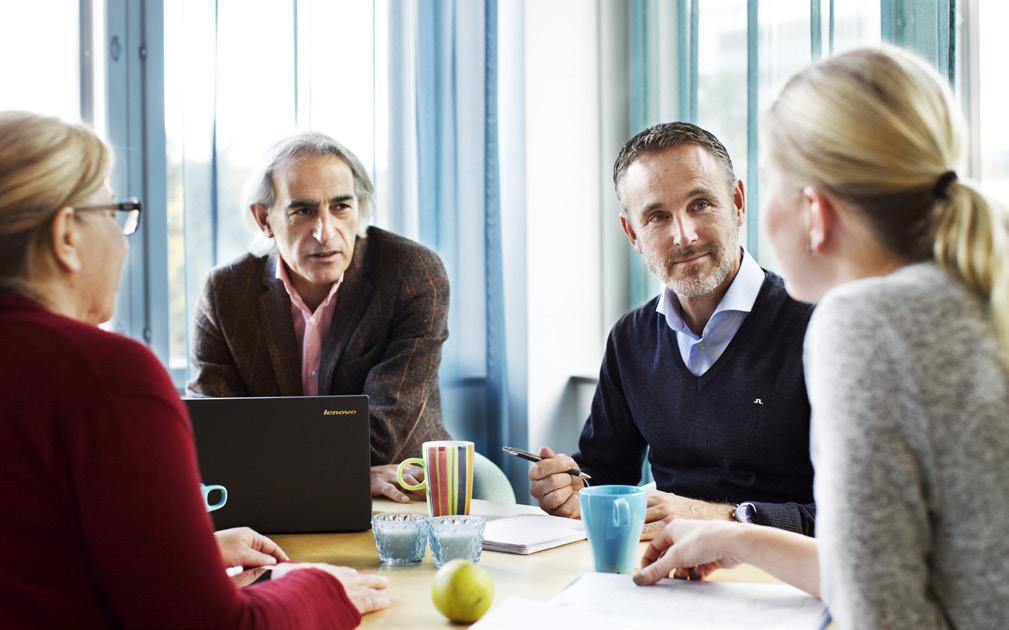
pixel 972 245
pixel 880 128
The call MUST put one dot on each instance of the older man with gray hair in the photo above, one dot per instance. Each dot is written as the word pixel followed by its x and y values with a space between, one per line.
pixel 329 306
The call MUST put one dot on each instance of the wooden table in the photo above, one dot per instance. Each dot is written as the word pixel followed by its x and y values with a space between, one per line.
pixel 537 576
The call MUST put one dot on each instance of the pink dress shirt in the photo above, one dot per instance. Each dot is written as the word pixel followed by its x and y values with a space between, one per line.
pixel 309 329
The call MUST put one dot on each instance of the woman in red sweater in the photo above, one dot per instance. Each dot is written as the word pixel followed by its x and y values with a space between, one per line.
pixel 103 523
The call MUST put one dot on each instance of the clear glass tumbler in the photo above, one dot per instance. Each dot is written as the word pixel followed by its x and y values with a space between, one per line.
pixel 400 538
pixel 456 537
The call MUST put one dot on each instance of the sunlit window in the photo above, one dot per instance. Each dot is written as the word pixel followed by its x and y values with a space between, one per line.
pixel 784 46
pixel 856 23
pixel 721 75
pixel 40 48
pixel 993 98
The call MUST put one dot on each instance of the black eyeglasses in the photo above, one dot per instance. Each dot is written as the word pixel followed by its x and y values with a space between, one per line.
pixel 127 213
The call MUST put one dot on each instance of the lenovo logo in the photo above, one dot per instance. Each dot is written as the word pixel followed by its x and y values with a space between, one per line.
pixel 339 412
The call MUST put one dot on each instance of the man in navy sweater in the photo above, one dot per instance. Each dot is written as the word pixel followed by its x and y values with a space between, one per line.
pixel 707 377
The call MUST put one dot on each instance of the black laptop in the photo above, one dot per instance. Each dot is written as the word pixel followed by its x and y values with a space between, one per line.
pixel 290 465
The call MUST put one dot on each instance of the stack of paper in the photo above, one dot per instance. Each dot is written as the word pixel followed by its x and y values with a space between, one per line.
pixel 599 601
pixel 529 533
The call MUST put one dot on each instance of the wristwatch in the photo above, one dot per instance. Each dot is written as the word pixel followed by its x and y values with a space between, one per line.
pixel 745 512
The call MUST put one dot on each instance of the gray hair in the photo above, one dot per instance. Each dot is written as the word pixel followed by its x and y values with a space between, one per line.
pixel 289 151
pixel 666 136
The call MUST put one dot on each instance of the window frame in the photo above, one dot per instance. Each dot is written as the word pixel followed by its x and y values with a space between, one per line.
pixel 134 123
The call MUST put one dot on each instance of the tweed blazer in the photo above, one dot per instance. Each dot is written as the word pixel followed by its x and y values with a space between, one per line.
pixel 385 339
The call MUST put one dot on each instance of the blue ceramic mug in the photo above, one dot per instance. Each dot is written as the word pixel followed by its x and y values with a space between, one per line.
pixel 207 489
pixel 614 517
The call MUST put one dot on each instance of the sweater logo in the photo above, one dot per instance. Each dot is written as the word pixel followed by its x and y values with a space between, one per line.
pixel 758 401
pixel 339 412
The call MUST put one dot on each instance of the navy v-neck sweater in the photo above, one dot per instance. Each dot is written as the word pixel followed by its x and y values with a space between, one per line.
pixel 739 432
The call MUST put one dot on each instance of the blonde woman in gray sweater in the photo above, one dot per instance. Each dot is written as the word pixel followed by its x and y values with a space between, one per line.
pixel 907 355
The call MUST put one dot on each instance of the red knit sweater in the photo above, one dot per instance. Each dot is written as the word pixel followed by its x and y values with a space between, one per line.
pixel 102 522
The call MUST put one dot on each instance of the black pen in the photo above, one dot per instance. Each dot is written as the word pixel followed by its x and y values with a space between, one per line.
pixel 533 457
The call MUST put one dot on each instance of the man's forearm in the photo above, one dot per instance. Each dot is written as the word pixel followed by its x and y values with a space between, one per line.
pixel 711 511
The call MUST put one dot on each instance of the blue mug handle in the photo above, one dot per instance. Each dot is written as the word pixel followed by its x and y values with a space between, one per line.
pixel 207 489
pixel 621 513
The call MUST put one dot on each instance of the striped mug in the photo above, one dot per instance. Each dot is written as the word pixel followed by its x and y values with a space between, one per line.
pixel 448 476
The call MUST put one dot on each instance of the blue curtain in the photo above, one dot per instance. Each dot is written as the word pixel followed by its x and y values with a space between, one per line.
pixel 448 188
pixel 663 42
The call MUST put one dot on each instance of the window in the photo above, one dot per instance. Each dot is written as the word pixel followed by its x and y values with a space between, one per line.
pixel 992 133
pixel 44 37
pixel 722 78
pixel 720 63
pixel 56 72
pixel 789 35
pixel 855 23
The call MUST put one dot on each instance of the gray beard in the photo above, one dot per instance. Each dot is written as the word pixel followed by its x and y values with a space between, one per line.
pixel 696 284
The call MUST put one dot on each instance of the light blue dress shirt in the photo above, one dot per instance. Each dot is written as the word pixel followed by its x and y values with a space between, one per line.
pixel 700 352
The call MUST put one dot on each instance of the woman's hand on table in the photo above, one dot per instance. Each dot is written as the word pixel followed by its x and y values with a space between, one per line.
pixel 365 590
pixel 245 547
pixel 690 549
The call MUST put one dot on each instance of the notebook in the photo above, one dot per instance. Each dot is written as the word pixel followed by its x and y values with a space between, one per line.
pixel 528 533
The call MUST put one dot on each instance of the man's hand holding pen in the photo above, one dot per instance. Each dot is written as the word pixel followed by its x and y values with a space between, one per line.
pixel 554 487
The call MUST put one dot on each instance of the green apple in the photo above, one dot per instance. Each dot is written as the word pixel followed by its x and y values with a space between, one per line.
pixel 462 591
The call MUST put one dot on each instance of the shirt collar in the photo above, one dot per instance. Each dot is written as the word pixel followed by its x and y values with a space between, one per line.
pixel 740 296
pixel 292 293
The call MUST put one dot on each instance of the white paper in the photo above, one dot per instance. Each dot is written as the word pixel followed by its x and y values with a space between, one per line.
pixel 491 510
pixel 615 601
pixel 522 613
pixel 529 533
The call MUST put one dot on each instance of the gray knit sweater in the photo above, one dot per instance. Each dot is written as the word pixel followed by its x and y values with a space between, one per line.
pixel 910 442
